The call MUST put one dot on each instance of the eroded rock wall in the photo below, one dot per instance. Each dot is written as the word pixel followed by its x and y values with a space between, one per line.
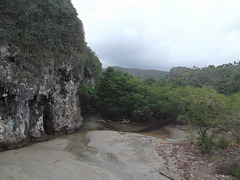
pixel 30 110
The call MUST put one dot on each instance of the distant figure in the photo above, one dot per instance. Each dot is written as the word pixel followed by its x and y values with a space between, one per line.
pixel 125 121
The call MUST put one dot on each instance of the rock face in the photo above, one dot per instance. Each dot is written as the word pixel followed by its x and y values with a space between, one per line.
pixel 176 72
pixel 43 59
pixel 30 110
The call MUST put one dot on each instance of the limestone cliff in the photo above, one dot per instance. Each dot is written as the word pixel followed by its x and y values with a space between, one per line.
pixel 39 81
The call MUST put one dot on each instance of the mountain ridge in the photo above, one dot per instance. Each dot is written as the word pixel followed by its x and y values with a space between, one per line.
pixel 144 74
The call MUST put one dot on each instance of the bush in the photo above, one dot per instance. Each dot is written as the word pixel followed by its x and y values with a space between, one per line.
pixel 87 97
pixel 236 170
pixel 142 114
pixel 205 143
pixel 223 142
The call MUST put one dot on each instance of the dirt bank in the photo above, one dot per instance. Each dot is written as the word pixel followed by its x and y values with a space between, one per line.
pixel 151 157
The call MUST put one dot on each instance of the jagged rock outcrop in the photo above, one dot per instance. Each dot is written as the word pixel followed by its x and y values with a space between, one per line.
pixel 176 72
pixel 43 59
pixel 31 110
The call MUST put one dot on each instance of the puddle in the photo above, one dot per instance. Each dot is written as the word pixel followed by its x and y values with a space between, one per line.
pixel 93 120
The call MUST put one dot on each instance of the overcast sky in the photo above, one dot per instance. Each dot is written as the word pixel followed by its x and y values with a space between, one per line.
pixel 161 34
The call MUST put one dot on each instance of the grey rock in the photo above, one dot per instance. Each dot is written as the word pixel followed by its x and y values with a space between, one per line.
pixel 31 110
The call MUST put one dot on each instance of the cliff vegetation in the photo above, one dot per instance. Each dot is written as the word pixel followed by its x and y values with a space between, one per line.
pixel 44 33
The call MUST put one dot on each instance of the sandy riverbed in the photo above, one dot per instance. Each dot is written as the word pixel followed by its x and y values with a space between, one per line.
pixel 106 155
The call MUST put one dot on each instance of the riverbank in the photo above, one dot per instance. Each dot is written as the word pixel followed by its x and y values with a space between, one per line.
pixel 154 157
pixel 109 155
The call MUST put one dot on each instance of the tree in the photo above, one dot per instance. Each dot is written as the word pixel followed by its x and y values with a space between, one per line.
pixel 206 111
pixel 224 78
pixel 87 97
pixel 234 120
pixel 166 101
pixel 151 81
pixel 118 93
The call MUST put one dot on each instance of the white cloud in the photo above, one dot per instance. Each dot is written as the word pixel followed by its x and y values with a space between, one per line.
pixel 130 32
pixel 162 33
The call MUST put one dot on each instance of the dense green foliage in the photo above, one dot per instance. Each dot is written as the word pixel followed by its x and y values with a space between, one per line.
pixel 48 34
pixel 92 62
pixel 225 78
pixel 50 25
pixel 211 112
pixel 121 95
pixel 87 97
pixel 207 111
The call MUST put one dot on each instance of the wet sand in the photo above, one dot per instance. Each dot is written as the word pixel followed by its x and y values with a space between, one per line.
pixel 96 155
pixel 45 161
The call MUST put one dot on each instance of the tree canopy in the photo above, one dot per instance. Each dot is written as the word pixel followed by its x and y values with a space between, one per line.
pixel 224 78
pixel 120 95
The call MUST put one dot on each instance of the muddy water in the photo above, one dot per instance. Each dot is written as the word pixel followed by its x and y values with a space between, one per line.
pixel 93 121
pixel 51 160
pixel 78 144
pixel 78 141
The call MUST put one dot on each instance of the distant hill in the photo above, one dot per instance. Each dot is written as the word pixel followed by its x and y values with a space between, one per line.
pixel 144 74
pixel 224 78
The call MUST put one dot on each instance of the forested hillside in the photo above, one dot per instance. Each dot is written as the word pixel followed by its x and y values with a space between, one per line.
pixel 121 95
pixel 144 74
pixel 224 78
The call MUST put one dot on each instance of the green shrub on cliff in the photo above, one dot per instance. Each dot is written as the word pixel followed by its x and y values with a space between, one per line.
pixel 48 34
pixel 87 97
pixel 41 26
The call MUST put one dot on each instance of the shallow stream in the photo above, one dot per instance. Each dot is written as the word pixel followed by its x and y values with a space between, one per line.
pixel 45 160
pixel 92 121
pixel 78 143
